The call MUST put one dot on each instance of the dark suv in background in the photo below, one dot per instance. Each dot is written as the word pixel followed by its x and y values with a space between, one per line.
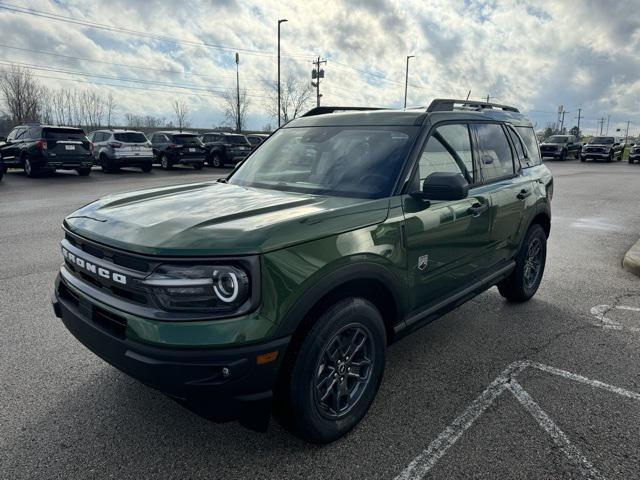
pixel 560 147
pixel 255 139
pixel 225 148
pixel 178 148
pixel 603 148
pixel 46 148
pixel 113 149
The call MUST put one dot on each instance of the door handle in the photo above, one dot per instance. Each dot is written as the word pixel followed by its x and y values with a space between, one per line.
pixel 478 209
pixel 524 193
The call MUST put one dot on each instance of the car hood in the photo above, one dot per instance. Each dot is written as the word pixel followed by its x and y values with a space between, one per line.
pixel 218 219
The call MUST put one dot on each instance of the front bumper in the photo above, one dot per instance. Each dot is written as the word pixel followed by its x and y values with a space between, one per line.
pixel 596 155
pixel 229 378
pixel 551 154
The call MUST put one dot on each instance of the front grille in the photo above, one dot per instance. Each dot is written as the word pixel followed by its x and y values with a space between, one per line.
pixel 594 150
pixel 136 268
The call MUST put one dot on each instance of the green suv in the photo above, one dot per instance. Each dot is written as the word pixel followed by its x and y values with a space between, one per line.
pixel 279 288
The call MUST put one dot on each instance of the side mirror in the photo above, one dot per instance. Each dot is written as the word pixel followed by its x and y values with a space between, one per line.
pixel 445 186
pixel 487 159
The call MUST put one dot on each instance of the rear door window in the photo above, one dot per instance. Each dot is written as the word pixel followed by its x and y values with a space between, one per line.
pixel 531 142
pixel 494 152
pixel 520 151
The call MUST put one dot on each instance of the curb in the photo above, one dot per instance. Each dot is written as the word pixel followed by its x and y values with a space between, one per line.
pixel 631 260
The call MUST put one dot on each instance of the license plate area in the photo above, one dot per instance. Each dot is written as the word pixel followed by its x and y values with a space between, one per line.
pixel 69 147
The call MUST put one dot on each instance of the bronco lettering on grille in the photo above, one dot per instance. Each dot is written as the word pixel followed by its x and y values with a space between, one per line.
pixel 93 268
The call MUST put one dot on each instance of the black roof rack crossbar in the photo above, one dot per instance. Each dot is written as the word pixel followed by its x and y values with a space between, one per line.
pixel 324 110
pixel 448 104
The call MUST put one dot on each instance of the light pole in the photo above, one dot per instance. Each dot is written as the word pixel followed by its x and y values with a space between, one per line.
pixel 282 20
pixel 406 80
pixel 238 91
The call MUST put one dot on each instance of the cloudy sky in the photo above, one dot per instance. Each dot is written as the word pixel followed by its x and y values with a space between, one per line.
pixel 536 55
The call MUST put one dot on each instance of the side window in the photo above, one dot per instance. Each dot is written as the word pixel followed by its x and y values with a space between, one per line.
pixel 448 149
pixel 495 153
pixel 20 133
pixel 12 135
pixel 531 142
pixel 517 144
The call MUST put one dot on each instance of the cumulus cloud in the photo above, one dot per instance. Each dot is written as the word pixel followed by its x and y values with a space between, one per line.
pixel 536 55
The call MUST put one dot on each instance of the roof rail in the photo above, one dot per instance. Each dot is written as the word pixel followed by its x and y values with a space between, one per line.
pixel 448 104
pixel 324 110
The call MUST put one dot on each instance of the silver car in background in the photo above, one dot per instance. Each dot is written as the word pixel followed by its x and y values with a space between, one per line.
pixel 113 149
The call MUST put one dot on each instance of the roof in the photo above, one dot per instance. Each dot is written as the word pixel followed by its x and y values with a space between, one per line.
pixel 222 133
pixel 40 125
pixel 175 132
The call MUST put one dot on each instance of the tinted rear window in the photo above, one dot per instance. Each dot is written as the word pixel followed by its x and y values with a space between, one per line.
pixel 63 134
pixel 130 137
pixel 254 140
pixel 185 139
pixel 236 139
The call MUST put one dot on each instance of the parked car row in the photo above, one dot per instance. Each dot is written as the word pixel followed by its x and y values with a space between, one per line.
pixel 40 149
pixel 562 147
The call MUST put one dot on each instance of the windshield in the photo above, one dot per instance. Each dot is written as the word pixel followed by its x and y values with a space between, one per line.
pixel 186 139
pixel 236 139
pixel 130 137
pixel 63 134
pixel 557 139
pixel 349 161
pixel 602 140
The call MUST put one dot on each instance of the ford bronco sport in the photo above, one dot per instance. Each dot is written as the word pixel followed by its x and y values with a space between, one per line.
pixel 279 288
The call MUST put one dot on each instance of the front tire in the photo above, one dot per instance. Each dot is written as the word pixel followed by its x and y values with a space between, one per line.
pixel 84 172
pixel 525 279
pixel 337 372
pixel 146 168
pixel 198 166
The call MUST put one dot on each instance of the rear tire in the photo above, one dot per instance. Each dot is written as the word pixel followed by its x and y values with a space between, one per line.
pixel 84 172
pixel 146 168
pixel 107 165
pixel 563 156
pixel 216 161
pixel 164 162
pixel 342 359
pixel 525 279
pixel 29 169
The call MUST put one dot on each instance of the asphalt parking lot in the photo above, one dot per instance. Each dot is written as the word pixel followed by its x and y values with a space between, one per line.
pixel 546 389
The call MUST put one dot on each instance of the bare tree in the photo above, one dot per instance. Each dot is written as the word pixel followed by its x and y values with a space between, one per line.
pixel 181 109
pixel 237 118
pixel 21 94
pixel 110 106
pixel 295 94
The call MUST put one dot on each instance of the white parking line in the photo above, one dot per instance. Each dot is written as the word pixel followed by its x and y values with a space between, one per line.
pixel 425 461
pixel 600 312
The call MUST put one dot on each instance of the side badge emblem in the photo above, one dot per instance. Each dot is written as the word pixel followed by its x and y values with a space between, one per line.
pixel 423 261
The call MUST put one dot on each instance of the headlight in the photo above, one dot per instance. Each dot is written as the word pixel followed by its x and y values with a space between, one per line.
pixel 200 288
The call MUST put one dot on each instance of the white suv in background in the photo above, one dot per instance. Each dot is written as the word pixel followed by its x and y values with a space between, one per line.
pixel 113 149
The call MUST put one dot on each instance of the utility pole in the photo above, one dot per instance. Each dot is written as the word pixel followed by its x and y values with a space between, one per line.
pixel 238 91
pixel 406 80
pixel 601 123
pixel 608 119
pixel 282 20
pixel 562 120
pixel 316 74
pixel 579 116
pixel 626 134
pixel 488 98
pixel 468 94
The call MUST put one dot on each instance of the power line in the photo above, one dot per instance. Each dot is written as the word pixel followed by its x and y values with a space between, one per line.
pixel 121 79
pixel 104 62
pixel 154 36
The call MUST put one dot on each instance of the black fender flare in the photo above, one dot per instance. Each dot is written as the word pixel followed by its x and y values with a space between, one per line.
pixel 362 270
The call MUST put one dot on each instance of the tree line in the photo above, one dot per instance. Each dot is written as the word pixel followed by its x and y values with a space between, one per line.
pixel 24 99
